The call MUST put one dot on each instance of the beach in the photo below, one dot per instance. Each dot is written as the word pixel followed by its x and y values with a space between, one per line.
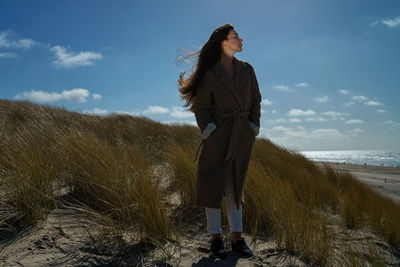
pixel 383 179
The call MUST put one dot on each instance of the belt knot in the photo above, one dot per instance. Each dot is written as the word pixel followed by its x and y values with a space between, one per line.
pixel 236 115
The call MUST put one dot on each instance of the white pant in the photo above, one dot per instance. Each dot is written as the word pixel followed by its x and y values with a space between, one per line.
pixel 234 215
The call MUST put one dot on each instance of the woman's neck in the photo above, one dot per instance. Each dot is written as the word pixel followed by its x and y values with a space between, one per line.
pixel 230 69
pixel 227 60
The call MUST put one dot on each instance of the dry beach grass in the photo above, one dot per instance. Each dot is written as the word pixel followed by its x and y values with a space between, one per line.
pixel 120 190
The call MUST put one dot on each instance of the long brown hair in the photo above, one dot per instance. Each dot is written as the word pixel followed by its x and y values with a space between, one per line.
pixel 208 55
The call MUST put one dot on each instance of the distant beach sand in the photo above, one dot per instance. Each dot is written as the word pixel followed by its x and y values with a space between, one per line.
pixel 383 179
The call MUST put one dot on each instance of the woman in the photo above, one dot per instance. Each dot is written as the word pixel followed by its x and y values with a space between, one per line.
pixel 224 95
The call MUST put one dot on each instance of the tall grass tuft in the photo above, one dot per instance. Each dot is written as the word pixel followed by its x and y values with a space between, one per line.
pixel 272 208
pixel 28 170
pixel 183 179
pixel 117 181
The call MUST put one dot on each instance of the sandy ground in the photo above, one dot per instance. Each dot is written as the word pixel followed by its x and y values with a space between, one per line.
pixel 385 180
pixel 61 241
pixel 64 240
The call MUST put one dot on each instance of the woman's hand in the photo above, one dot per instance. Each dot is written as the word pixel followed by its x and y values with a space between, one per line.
pixel 208 130
pixel 254 127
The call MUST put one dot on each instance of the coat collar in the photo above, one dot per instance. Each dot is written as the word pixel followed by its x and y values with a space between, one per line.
pixel 234 86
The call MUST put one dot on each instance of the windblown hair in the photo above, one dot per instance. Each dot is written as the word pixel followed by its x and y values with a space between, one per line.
pixel 208 55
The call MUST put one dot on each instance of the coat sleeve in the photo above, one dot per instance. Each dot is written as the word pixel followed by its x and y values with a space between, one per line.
pixel 255 110
pixel 203 105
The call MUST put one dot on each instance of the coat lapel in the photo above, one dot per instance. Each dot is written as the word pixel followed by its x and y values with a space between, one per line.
pixel 234 87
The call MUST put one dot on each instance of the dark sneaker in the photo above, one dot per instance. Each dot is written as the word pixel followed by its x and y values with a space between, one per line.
pixel 218 249
pixel 241 247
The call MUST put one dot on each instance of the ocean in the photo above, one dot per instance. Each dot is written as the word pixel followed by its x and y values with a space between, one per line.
pixel 362 157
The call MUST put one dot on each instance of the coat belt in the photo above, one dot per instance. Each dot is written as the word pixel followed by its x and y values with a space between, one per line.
pixel 236 115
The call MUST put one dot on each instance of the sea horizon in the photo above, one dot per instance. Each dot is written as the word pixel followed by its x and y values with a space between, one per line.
pixel 374 157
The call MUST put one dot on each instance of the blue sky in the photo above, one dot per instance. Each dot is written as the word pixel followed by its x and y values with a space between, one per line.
pixel 328 71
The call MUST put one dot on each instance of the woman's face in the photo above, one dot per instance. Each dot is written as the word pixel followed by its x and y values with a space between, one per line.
pixel 233 43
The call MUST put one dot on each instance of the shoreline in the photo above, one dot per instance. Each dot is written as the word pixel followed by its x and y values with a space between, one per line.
pixel 360 166
pixel 383 179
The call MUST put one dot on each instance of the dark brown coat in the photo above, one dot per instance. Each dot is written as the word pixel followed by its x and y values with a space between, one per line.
pixel 226 152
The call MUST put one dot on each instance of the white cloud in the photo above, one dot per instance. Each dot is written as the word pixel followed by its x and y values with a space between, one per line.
pixel 301 84
pixel 280 128
pixel 335 114
pixel 326 134
pixel 155 110
pixel 96 96
pixel 180 122
pixel 74 95
pixel 274 121
pixel 262 111
pixel 322 99
pixel 347 104
pixel 373 103
pixel 300 112
pixel 273 111
pixel 67 59
pixel 282 88
pixel 96 111
pixel 301 139
pixel 392 22
pixel 316 119
pixel 360 98
pixel 8 55
pixel 180 112
pixel 298 133
pixel 294 120
pixel 25 43
pixel 7 42
pixel 126 113
pixel 356 131
pixel 395 124
pixel 381 111
pixel 266 102
pixel 354 121
pixel 343 92
pixel 373 23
